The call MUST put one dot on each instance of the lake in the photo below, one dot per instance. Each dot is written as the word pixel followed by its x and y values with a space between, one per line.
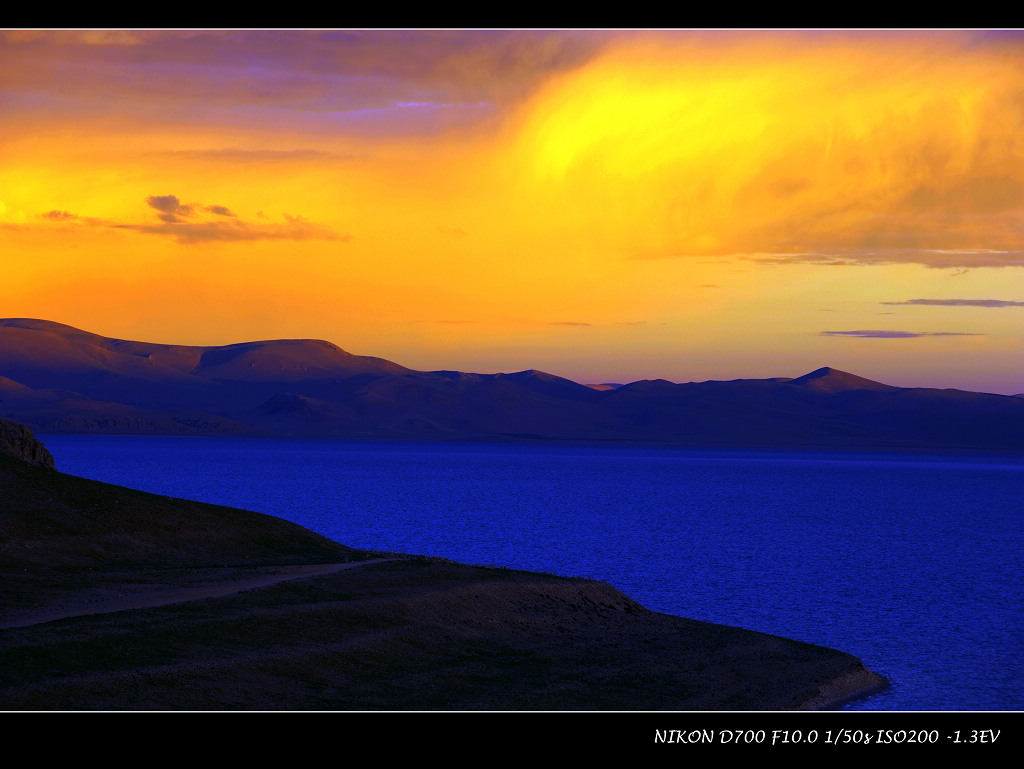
pixel 911 563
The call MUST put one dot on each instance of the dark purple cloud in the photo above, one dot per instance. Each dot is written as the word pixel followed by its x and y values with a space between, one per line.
pixel 166 203
pixel 174 211
pixel 219 210
pixel 171 209
pixel 398 80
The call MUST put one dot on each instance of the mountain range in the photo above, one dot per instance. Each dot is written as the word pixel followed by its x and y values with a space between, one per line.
pixel 56 378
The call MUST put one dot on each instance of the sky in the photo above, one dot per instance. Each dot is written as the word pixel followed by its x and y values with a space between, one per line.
pixel 604 205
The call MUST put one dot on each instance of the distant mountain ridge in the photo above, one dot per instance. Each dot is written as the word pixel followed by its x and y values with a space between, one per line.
pixel 56 378
pixel 830 380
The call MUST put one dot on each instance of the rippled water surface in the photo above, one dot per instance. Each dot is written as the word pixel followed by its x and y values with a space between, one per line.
pixel 912 564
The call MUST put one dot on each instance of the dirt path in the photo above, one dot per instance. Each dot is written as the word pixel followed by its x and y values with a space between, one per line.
pixel 139 597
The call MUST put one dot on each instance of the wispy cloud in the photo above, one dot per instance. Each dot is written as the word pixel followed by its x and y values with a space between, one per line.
pixel 961 302
pixel 236 155
pixel 959 259
pixel 198 232
pixel 198 222
pixel 887 334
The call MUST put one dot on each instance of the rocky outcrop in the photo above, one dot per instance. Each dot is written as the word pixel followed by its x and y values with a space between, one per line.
pixel 17 441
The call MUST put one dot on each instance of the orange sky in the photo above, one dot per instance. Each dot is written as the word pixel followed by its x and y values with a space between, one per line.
pixel 607 206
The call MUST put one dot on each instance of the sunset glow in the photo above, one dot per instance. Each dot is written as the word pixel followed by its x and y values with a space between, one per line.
pixel 606 206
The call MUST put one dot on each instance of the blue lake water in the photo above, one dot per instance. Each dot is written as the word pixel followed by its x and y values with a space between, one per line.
pixel 912 564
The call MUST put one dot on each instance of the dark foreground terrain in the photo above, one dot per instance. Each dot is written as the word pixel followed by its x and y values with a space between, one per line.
pixel 348 630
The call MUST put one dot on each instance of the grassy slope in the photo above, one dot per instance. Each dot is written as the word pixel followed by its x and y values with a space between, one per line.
pixel 51 520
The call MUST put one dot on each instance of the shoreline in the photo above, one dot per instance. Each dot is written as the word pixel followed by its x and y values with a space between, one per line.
pixel 811 450
pixel 518 611
pixel 848 688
